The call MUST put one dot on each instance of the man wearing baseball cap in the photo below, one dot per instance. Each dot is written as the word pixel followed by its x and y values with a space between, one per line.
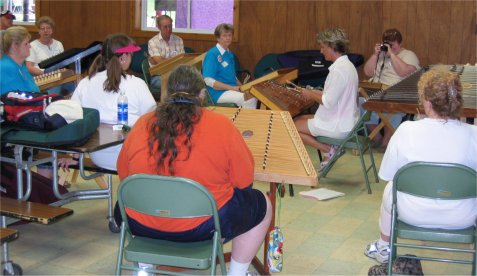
pixel 6 19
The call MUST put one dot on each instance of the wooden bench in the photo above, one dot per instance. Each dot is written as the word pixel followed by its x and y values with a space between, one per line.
pixel 7 234
pixel 25 210
pixel 31 211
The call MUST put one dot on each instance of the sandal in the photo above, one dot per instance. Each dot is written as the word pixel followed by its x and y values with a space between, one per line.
pixel 330 154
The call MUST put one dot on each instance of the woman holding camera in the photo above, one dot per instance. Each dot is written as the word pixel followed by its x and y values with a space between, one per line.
pixel 389 64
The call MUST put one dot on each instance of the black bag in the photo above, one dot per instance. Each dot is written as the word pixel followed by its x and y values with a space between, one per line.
pixel 402 265
pixel 25 110
pixel 41 188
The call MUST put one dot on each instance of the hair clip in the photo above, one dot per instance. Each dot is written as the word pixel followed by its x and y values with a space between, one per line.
pixel 451 92
pixel 182 100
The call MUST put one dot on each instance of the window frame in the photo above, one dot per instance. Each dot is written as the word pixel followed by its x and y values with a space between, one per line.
pixel 30 26
pixel 135 24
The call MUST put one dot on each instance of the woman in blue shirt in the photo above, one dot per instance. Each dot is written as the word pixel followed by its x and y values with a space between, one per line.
pixel 219 73
pixel 15 50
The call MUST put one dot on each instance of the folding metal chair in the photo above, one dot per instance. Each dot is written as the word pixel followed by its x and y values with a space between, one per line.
pixel 357 139
pixel 443 181
pixel 163 196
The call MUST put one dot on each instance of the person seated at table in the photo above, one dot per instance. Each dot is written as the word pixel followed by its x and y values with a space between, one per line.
pixel 15 50
pixel 163 46
pixel 219 72
pixel 43 48
pixel 183 139
pixel 389 64
pixel 107 77
pixel 441 137
pixel 6 20
pixel 338 110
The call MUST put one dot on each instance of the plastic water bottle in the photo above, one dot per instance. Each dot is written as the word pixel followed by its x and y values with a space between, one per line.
pixel 122 108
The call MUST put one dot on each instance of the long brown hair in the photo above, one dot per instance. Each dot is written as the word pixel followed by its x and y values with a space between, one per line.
pixel 177 115
pixel 109 61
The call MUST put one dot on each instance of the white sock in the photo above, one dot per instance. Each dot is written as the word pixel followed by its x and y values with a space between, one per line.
pixel 144 265
pixel 382 243
pixel 237 269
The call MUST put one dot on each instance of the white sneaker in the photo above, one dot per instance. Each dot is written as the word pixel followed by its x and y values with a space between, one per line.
pixel 380 253
pixel 145 266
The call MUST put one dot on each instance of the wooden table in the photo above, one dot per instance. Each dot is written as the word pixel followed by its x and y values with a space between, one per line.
pixel 104 137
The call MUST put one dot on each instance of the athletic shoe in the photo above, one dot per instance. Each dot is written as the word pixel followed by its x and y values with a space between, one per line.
pixel 380 253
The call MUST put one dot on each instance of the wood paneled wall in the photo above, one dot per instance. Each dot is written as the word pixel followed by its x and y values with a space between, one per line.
pixel 437 31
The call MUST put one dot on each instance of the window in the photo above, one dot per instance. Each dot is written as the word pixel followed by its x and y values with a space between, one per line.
pixel 24 10
pixel 189 16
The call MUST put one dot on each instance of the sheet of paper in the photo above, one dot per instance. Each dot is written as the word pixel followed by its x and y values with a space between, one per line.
pixel 321 194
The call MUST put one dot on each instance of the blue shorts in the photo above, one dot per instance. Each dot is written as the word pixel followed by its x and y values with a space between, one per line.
pixel 245 210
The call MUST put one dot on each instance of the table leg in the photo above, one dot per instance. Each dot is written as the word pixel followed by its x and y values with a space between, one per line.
pixel 384 122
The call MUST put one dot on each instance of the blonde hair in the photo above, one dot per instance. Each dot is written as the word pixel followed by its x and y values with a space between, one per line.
pixel 337 39
pixel 13 35
pixel 45 20
pixel 443 90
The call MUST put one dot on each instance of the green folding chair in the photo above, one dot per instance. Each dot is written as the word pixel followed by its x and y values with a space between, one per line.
pixel 164 196
pixel 357 139
pixel 156 92
pixel 136 60
pixel 208 101
pixel 443 181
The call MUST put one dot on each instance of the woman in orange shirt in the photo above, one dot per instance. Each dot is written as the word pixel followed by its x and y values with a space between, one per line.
pixel 183 139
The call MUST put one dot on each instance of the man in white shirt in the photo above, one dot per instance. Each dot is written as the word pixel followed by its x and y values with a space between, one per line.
pixel 163 46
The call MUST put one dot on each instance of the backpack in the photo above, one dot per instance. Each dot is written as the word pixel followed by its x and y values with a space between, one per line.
pixel 25 110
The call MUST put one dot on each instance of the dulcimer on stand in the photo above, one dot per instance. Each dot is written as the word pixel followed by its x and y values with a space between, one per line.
pixel 403 96
pixel 273 91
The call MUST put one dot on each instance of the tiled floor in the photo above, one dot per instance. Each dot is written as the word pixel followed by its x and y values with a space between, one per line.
pixel 321 237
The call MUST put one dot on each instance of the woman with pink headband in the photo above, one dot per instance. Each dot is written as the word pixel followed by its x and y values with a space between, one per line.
pixel 107 77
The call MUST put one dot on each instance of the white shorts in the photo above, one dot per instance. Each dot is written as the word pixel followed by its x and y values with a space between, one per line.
pixel 316 131
pixel 238 98
pixel 106 158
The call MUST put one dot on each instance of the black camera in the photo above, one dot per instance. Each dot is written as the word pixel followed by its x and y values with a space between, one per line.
pixel 384 47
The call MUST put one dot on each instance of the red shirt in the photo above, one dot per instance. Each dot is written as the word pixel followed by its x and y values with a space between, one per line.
pixel 219 160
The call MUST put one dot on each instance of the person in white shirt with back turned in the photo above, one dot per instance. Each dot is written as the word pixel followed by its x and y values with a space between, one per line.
pixel 441 137
pixel 101 88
